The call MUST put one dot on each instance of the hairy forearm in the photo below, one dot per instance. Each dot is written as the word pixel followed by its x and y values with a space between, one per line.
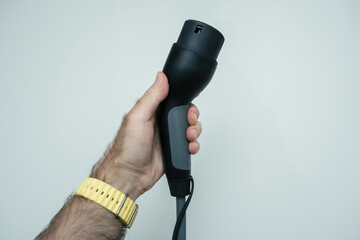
pixel 81 218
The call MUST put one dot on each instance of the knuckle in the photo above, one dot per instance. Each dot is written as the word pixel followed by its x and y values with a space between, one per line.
pixel 147 93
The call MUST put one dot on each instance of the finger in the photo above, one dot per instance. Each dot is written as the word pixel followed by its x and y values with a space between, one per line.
pixel 194 147
pixel 193 132
pixel 148 103
pixel 193 114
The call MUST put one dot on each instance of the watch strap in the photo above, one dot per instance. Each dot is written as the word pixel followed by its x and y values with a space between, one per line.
pixel 110 198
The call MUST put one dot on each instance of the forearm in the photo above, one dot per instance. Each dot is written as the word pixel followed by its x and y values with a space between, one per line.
pixel 81 218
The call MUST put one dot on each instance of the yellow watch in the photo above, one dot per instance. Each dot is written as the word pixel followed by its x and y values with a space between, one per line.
pixel 110 198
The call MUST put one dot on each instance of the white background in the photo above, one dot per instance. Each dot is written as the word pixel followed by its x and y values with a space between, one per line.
pixel 280 150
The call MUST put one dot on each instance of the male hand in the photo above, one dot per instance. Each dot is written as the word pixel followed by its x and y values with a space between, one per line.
pixel 134 163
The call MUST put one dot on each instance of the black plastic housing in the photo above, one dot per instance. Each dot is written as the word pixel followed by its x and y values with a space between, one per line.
pixel 189 68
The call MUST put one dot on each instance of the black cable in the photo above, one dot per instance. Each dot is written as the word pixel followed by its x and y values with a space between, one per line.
pixel 182 213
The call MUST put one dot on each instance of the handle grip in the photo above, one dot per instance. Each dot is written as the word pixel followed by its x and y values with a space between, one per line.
pixel 178 124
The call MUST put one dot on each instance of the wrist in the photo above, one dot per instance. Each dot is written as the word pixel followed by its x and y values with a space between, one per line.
pixel 105 195
pixel 125 182
pixel 119 178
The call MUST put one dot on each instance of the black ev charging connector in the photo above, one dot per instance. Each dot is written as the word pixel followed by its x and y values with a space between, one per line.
pixel 189 68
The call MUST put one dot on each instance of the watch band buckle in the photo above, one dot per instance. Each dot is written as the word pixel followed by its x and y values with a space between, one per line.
pixel 134 214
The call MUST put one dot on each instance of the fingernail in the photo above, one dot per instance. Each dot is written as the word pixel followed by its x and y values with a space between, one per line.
pixel 196 133
pixel 157 79
pixel 196 116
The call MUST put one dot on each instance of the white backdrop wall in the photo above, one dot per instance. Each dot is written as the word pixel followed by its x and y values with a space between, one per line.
pixel 280 150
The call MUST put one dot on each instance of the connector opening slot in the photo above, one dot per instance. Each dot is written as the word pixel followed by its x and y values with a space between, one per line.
pixel 198 29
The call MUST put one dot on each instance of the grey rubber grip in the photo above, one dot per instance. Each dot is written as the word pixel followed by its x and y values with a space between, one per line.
pixel 179 144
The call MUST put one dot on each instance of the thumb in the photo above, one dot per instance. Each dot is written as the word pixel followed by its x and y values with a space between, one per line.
pixel 149 102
